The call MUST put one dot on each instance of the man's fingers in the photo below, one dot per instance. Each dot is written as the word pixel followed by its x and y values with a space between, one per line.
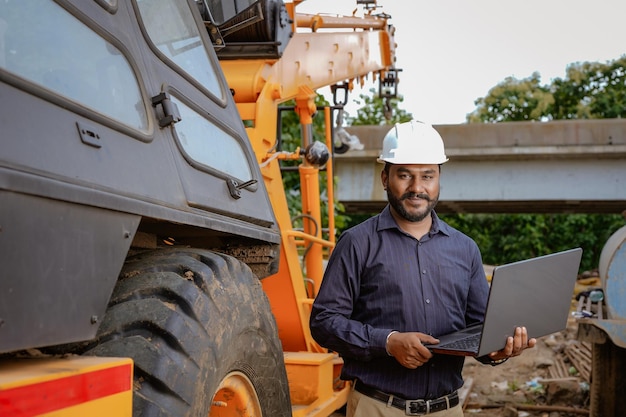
pixel 521 340
pixel 517 340
pixel 510 346
pixel 415 364
pixel 428 339
pixel 409 349
pixel 515 344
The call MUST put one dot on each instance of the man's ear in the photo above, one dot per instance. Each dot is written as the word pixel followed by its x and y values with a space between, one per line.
pixel 383 179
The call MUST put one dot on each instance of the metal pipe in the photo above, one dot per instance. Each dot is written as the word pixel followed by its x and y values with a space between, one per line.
pixel 317 21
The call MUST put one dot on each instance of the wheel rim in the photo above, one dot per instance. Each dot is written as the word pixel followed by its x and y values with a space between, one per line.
pixel 235 397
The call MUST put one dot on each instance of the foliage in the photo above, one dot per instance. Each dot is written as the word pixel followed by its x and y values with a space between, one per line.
pixel 374 111
pixel 514 100
pixel 590 90
pixel 512 237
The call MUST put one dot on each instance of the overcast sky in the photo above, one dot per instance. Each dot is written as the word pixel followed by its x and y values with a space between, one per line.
pixel 452 52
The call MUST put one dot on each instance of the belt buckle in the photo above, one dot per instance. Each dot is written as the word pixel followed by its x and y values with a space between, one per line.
pixel 411 407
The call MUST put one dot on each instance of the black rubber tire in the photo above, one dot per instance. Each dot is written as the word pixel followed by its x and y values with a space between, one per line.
pixel 188 318
pixel 608 387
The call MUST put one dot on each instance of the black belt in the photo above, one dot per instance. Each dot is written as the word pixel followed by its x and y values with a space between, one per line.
pixel 411 407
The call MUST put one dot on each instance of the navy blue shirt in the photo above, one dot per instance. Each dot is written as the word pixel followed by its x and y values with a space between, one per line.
pixel 380 279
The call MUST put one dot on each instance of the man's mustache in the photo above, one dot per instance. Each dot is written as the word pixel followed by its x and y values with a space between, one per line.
pixel 413 195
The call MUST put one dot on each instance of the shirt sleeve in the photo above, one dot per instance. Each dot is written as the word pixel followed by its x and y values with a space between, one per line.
pixel 331 324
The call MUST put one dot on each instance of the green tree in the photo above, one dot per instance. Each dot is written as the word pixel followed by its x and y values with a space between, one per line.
pixel 591 90
pixel 514 100
pixel 504 238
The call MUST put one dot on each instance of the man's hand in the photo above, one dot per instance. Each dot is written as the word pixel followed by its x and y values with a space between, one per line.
pixel 408 349
pixel 514 345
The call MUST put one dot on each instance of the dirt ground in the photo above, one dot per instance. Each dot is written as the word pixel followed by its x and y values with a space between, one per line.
pixel 542 382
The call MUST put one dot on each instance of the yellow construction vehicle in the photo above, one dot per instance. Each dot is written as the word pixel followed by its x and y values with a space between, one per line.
pixel 148 262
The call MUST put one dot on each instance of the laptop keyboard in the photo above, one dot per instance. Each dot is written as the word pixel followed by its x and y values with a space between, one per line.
pixel 469 343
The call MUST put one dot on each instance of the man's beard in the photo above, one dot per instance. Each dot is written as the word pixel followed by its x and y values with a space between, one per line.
pixel 396 203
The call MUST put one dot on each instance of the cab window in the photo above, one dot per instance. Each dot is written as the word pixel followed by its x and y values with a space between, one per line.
pixel 207 144
pixel 43 44
pixel 173 30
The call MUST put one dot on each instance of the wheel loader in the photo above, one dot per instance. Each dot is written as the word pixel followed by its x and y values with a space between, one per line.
pixel 148 262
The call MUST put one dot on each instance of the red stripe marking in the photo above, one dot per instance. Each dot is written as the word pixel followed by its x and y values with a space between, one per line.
pixel 48 396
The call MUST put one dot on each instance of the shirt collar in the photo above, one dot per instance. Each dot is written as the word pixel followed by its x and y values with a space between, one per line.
pixel 386 221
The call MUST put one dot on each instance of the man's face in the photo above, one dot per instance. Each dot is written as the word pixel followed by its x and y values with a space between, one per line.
pixel 412 190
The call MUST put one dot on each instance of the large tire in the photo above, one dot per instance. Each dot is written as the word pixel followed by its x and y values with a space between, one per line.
pixel 608 387
pixel 200 331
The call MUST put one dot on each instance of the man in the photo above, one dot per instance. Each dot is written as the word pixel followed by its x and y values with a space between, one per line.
pixel 398 280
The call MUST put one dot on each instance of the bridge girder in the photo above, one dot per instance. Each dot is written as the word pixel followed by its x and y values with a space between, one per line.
pixel 570 166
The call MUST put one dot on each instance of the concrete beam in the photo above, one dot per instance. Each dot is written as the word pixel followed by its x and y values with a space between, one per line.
pixel 517 167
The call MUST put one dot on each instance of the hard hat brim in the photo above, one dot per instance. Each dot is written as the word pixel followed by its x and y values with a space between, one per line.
pixel 399 161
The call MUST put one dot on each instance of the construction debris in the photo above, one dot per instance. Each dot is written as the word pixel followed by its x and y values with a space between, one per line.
pixel 579 355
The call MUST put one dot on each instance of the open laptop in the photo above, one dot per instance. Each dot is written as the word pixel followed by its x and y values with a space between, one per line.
pixel 535 293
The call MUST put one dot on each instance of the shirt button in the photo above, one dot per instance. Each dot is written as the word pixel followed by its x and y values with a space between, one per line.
pixel 428 301
pixel 424 272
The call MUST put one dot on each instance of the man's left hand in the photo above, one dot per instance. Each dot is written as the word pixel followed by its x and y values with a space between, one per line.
pixel 514 345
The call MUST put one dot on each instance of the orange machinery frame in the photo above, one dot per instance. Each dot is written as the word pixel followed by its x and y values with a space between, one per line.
pixel 324 50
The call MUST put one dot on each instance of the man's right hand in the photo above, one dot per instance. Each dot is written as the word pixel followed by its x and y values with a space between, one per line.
pixel 408 348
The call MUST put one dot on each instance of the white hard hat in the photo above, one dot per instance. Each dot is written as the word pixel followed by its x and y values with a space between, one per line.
pixel 413 143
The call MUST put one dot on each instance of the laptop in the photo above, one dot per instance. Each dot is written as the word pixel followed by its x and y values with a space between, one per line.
pixel 535 293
